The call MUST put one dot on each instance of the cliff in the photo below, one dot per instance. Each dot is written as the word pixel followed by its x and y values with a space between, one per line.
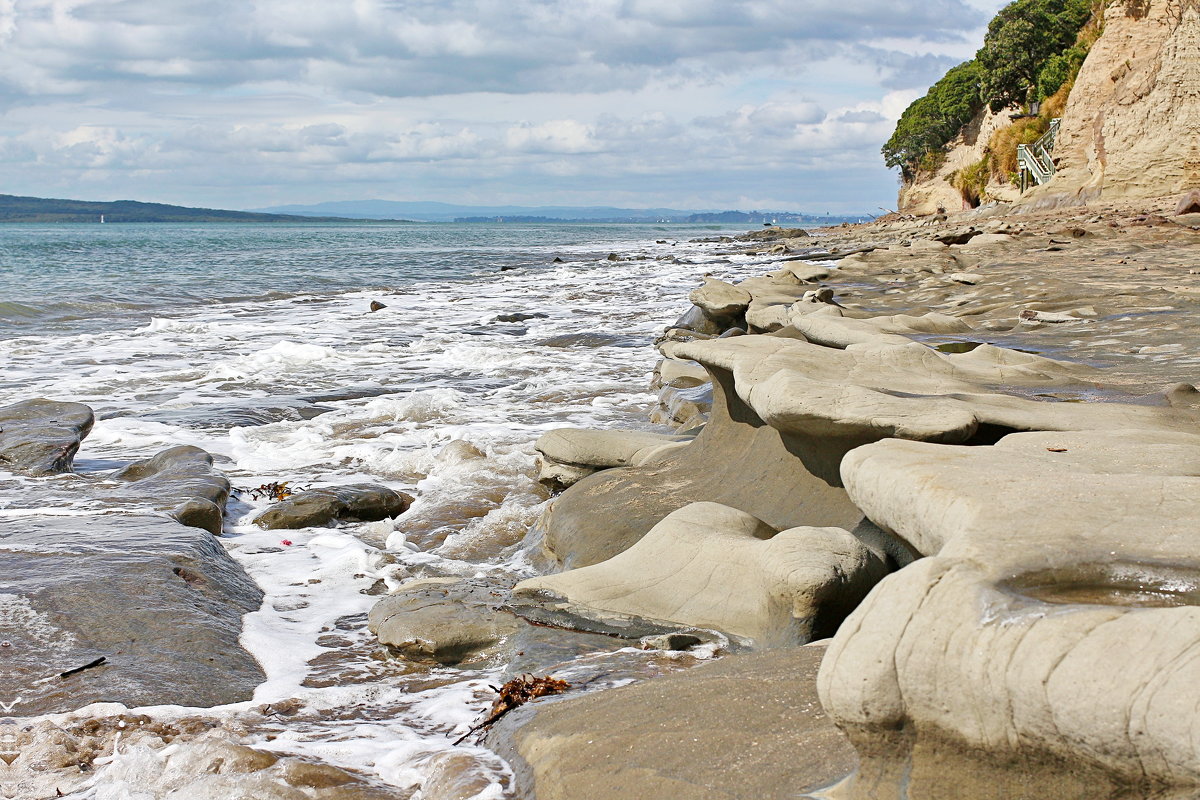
pixel 1132 124
pixel 934 193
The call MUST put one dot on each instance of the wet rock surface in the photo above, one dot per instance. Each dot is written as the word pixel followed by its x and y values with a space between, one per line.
pixel 357 503
pixel 41 437
pixel 160 602
pixel 182 481
pixel 747 727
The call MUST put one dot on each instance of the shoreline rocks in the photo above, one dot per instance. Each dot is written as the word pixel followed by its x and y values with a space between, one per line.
pixel 41 437
pixel 315 507
pixel 1025 520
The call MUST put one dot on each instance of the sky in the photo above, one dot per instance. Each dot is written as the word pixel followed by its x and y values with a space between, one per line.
pixel 723 104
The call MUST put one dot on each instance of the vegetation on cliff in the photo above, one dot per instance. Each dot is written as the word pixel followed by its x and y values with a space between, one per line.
pixel 1032 49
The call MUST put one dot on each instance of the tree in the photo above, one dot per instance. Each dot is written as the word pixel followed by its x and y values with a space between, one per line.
pixel 933 120
pixel 1021 39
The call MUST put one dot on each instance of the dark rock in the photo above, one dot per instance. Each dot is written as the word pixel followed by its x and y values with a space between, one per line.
pixel 163 603
pixel 957 237
pixel 613 257
pixel 41 437
pixel 509 268
pixel 180 480
pixel 518 317
pixel 357 503
pixel 377 306
pixel 773 233
pixel 558 260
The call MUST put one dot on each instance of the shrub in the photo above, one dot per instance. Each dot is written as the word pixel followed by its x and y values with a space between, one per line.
pixel 972 181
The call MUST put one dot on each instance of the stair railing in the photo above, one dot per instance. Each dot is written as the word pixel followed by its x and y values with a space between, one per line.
pixel 1034 161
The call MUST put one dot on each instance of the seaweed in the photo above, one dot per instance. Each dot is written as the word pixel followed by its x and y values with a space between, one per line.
pixel 514 694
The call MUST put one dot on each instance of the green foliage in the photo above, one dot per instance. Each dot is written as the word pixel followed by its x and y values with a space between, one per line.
pixel 1021 41
pixel 933 120
pixel 972 181
pixel 1033 51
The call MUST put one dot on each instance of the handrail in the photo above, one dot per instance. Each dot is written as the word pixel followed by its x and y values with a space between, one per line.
pixel 1034 160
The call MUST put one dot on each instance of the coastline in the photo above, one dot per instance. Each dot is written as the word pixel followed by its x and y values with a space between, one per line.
pixel 366 719
pixel 1080 324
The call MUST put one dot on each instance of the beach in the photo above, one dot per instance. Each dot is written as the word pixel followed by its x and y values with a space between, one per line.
pixel 1040 318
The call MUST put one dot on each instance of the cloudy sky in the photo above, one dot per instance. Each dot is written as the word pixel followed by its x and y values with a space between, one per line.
pixel 779 104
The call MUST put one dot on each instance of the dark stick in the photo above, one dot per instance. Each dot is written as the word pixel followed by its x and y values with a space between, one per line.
pixel 77 670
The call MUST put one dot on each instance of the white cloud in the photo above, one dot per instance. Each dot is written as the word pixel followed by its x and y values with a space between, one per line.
pixel 249 102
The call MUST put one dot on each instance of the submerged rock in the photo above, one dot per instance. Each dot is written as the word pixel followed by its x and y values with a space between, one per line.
pixel 180 480
pixel 357 503
pixel 161 602
pixel 447 620
pixel 41 437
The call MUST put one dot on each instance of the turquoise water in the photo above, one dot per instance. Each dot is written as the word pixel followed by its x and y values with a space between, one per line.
pixel 79 277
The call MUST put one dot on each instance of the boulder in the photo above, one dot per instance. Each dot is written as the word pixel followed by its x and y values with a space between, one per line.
pixel 712 566
pixel 447 620
pixel 1189 203
pixel 41 437
pixel 357 503
pixel 720 300
pixel 180 480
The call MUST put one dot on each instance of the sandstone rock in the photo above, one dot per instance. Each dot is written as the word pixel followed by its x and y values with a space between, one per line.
pixel 163 603
pixel 41 437
pixel 180 480
pixel 694 319
pixel 678 374
pixel 358 503
pixel 1133 118
pixel 832 329
pixel 773 233
pixel 719 299
pixel 1188 204
pixel 969 278
pixel 748 716
pixel 981 240
pixel 377 306
pixel 712 566
pixel 805 272
pixel 1061 569
pixel 570 454
pixel 447 620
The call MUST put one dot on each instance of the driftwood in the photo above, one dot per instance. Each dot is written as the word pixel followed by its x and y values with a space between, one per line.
pixel 98 662
pixel 514 694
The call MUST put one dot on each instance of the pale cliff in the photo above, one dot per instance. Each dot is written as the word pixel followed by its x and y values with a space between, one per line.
pixel 1132 124
pixel 933 194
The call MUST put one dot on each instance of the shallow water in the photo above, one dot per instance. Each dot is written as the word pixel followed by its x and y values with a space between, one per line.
pixel 256 344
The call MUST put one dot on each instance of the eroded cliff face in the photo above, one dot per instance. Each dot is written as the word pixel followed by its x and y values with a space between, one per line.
pixel 934 194
pixel 1132 125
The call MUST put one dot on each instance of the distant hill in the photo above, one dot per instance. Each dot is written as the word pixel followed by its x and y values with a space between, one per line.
pixel 39 209
pixel 449 212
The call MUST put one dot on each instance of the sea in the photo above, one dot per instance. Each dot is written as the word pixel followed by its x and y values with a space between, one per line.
pixel 258 344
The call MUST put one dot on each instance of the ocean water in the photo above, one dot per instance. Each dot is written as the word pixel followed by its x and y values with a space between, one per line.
pixel 256 343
